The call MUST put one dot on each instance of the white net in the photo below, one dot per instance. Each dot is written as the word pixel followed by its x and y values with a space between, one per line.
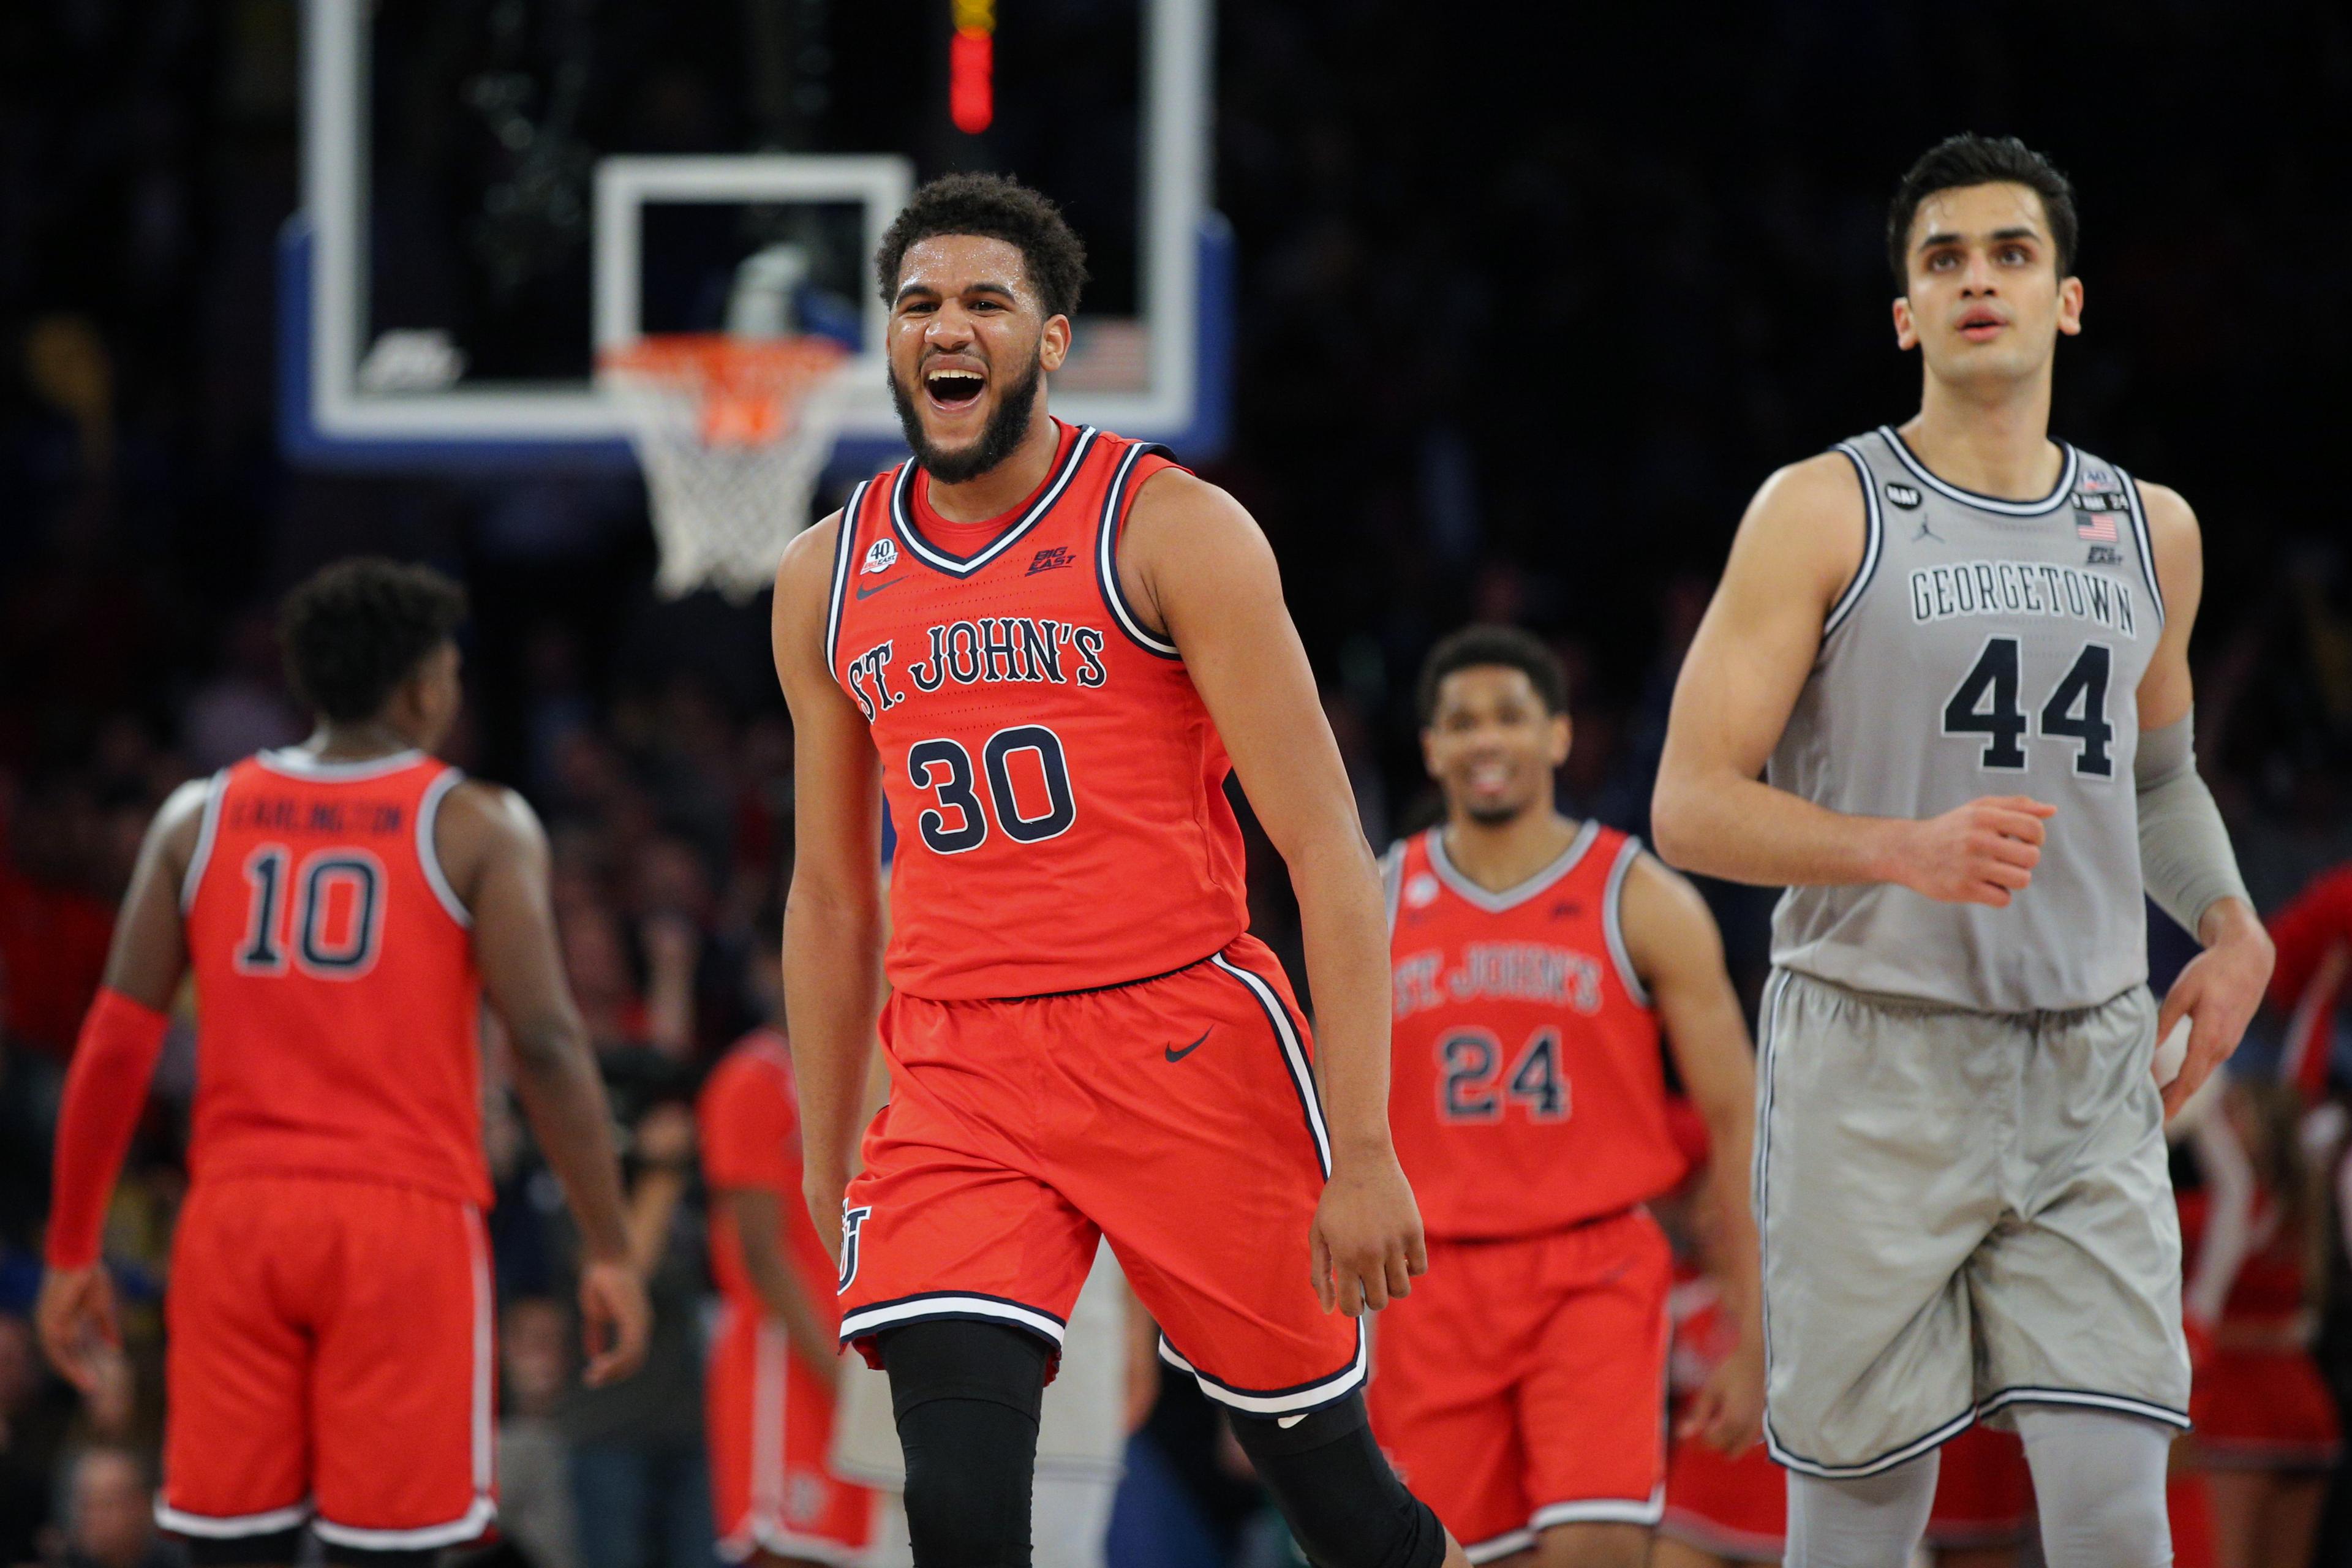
pixel 733 435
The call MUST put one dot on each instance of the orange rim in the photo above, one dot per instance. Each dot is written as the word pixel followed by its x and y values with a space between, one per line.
pixel 749 388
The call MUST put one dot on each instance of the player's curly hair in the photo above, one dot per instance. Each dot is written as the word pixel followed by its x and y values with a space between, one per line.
pixel 358 629
pixel 1958 162
pixel 1474 646
pixel 997 207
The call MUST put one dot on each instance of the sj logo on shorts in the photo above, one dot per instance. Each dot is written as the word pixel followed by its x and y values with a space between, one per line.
pixel 852 1221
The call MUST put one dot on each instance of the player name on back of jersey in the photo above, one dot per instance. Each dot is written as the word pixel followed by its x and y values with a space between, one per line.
pixel 289 813
pixel 1940 593
pixel 990 649
pixel 1520 971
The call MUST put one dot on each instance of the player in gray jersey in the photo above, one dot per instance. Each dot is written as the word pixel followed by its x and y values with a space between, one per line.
pixel 1957 652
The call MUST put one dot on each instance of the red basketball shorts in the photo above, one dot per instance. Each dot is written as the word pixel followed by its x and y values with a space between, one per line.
pixel 1984 1494
pixel 2265 1410
pixel 330 1361
pixel 771 1421
pixel 1732 1508
pixel 1177 1117
pixel 1522 1385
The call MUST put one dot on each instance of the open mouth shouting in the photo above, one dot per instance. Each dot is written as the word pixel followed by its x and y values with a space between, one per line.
pixel 953 383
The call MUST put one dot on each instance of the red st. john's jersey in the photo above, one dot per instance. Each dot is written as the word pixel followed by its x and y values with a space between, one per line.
pixel 1526 1090
pixel 337 1002
pixel 1057 787
pixel 749 1118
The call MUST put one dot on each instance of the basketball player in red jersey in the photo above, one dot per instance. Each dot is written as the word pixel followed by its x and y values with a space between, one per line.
pixel 770 1388
pixel 343 905
pixel 1042 642
pixel 1522 1390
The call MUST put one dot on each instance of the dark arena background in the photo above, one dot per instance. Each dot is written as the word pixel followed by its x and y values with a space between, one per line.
pixel 1522 307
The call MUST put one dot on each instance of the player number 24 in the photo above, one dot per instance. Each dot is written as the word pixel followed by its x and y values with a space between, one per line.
pixel 1469 1089
pixel 1985 704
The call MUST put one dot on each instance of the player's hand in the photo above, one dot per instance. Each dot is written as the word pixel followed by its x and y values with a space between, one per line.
pixel 1981 853
pixel 1366 1244
pixel 615 1319
pixel 825 1198
pixel 111 1403
pixel 76 1318
pixel 2217 992
pixel 1727 1413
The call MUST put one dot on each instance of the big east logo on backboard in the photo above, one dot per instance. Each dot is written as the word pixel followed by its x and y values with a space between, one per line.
pixel 880 556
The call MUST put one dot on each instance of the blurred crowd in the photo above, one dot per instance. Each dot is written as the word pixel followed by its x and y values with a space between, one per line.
pixel 1520 329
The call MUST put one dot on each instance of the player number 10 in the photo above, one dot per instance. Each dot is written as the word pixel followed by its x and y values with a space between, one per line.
pixel 325 954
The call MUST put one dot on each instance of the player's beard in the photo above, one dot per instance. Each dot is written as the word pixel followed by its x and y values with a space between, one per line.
pixel 998 438
pixel 1501 815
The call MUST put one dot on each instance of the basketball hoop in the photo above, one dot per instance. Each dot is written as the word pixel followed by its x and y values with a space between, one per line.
pixel 733 434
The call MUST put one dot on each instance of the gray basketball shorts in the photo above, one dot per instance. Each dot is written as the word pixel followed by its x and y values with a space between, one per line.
pixel 1960 1212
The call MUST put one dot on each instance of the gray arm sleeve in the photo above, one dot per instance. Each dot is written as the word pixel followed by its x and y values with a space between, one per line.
pixel 2184 850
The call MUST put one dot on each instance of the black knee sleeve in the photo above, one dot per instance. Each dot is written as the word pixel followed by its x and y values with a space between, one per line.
pixel 966 1396
pixel 1344 1504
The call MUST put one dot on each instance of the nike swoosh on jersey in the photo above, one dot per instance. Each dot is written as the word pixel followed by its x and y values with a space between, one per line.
pixel 866 593
pixel 1176 1056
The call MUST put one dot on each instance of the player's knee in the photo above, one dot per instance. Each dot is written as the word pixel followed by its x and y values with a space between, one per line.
pixel 2126 1528
pixel 1344 1504
pixel 2098 1476
pixel 966 1396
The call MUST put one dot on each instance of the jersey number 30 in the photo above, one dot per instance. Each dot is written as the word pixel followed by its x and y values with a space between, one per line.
pixel 1985 704
pixel 944 768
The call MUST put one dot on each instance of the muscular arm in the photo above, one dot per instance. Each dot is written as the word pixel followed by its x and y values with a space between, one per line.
pixel 494 854
pixel 150 953
pixel 1671 937
pixel 1799 546
pixel 107 1090
pixel 833 915
pixel 757 1215
pixel 1195 564
pixel 2222 987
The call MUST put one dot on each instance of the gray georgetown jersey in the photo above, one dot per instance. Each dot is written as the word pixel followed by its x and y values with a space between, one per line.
pixel 1985 646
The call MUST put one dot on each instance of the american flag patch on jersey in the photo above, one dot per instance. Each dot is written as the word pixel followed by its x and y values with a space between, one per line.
pixel 2095 525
